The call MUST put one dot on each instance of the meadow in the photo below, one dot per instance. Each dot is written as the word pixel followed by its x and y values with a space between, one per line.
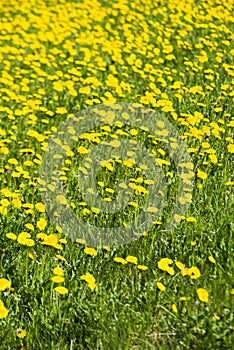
pixel 166 288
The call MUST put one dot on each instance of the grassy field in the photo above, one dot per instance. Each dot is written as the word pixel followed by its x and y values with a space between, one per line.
pixel 166 289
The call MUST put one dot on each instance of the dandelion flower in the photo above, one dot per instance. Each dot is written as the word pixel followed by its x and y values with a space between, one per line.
pixel 131 259
pixel 211 259
pixel 58 271
pixel 3 310
pixel 4 284
pixel 174 308
pixel 164 263
pixel 22 334
pixel 203 294
pixel 120 260
pixel 161 286
pixel 57 279
pixel 61 290
pixel 90 251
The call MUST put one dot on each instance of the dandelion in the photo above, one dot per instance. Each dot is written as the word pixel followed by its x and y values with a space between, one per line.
pixel 57 279
pixel 58 271
pixel 3 310
pixel 90 251
pixel 89 278
pixel 31 256
pixel 131 259
pixel 40 207
pixel 60 257
pixel 22 334
pixel 61 110
pixel 201 174
pixel 183 298
pixel 211 259
pixel 24 239
pixel 120 260
pixel 194 272
pixel 203 294
pixel 29 227
pixel 50 240
pixel 230 148
pixel 180 265
pixel 161 286
pixel 174 308
pixel 61 290
pixel 164 263
pixel 4 284
pixel 11 235
pixel 42 223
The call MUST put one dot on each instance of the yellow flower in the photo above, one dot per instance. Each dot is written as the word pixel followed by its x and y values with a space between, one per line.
pixel 84 90
pixel 90 251
pixel 211 259
pixel 107 248
pixel 40 207
pixel 51 240
pixel 201 174
pixel 83 150
pixel 213 158
pixel 90 280
pixel 88 277
pixel 133 204
pixel 29 226
pixel 57 279
pixel 164 263
pixel 42 223
pixel 120 260
pixel 203 294
pixel 3 310
pixel 58 86
pixel 191 219
pixel 22 334
pixel 13 161
pixel 180 265
pixel 6 192
pixel 161 286
pixel 5 202
pixel 194 272
pixel 16 202
pixel 31 256
pixel 60 257
pixel 11 235
pixel 142 267
pixel 4 284
pixel 61 290
pixel 174 308
pixel 131 259
pixel 24 239
pixel 230 148
pixel 61 110
pixel 92 286
pixel 58 271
